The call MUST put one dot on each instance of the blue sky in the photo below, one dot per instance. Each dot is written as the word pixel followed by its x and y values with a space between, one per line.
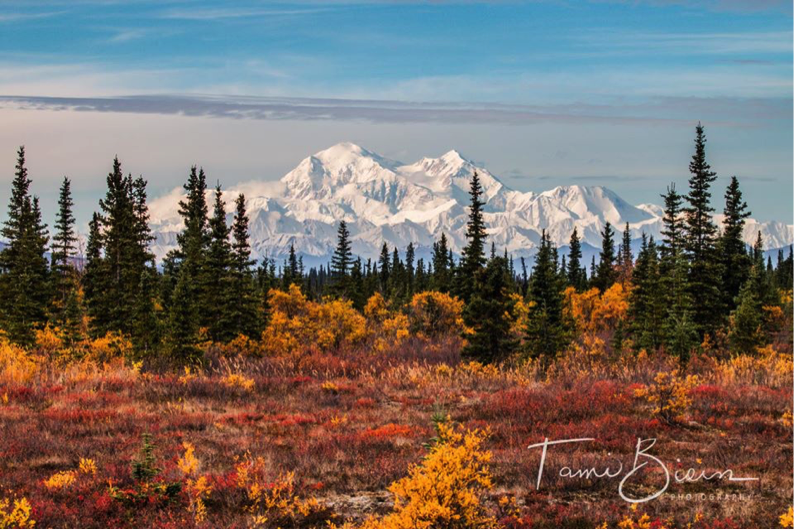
pixel 542 92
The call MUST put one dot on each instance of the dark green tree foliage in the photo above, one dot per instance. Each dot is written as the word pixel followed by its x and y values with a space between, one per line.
pixel 487 313
pixel 606 273
pixel 700 241
pixel 293 270
pixel 94 277
pixel 24 283
pixel 63 245
pixel 731 248
pixel 576 275
pixel 218 298
pixel 243 312
pixel 72 320
pixel 385 269
pixel 646 304
pixel 341 261
pixel 442 274
pixel 410 256
pixel 473 258
pixel 784 273
pixel 746 331
pixel 124 240
pixel 192 245
pixel 546 334
pixel 625 258
pixel 146 326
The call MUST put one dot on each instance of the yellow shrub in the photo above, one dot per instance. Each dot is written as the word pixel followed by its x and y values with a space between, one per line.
pixel 188 463
pixel 48 340
pixel 273 503
pixel 297 323
pixel 87 466
pixel 16 366
pixel 443 491
pixel 769 367
pixel 432 314
pixel 61 480
pixel 238 381
pixel 477 369
pixel 16 513
pixel 389 328
pixel 111 346
pixel 787 519
pixel 594 311
pixel 669 395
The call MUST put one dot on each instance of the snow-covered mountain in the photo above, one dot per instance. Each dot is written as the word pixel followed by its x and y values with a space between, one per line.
pixel 385 200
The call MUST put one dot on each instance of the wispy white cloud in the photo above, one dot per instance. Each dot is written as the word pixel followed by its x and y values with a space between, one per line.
pixel 231 12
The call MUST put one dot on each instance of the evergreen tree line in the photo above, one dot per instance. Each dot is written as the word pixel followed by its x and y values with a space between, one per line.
pixel 692 283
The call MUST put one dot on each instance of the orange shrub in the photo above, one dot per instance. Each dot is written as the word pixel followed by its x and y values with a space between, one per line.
pixel 593 311
pixel 433 314
pixel 16 366
pixel 296 323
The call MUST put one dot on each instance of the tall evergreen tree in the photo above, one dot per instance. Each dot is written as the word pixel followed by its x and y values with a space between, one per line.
pixel 700 241
pixel 442 277
pixel 731 248
pixel 64 239
pixel 384 268
pixel 487 314
pixel 646 308
pixel 546 334
pixel 126 256
pixel 606 274
pixel 576 275
pixel 341 261
pixel 244 318
pixel 473 259
pixel 218 297
pixel 625 258
pixel 24 292
pixel 146 324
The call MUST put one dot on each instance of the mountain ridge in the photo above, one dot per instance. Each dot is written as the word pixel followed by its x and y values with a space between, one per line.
pixel 387 200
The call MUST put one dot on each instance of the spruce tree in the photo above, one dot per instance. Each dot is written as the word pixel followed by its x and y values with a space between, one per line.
pixel 731 248
pixel 441 278
pixel 63 245
pixel 606 274
pixel 24 284
pixel 125 254
pixel 487 314
pixel 341 261
pixel 218 298
pixel 183 324
pixel 625 258
pixel 546 333
pixel 700 241
pixel 244 317
pixel 473 258
pixel 746 329
pixel 576 275
pixel 646 308
pixel 384 268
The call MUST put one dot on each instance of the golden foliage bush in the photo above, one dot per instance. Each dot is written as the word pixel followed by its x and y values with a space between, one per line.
pixel 444 490
pixel 238 381
pixel 16 513
pixel 669 395
pixel 433 314
pixel 769 367
pixel 389 328
pixel 787 519
pixel 296 323
pixel 273 503
pixel 593 311
pixel 16 365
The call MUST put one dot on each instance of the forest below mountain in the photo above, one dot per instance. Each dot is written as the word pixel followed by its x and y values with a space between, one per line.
pixel 287 384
